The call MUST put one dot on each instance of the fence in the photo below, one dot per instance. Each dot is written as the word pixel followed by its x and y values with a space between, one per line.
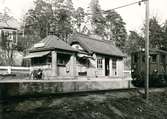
pixel 14 70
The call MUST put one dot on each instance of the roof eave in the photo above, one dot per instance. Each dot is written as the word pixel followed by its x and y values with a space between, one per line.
pixel 46 49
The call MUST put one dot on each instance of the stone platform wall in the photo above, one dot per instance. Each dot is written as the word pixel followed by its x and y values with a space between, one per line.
pixel 13 89
pixel 59 87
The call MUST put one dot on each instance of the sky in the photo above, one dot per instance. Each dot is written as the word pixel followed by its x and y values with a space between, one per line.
pixel 133 16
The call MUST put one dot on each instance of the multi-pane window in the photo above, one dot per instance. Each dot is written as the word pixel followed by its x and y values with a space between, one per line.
pixel 99 63
pixel 114 67
pixel 114 64
pixel 45 60
pixel 38 61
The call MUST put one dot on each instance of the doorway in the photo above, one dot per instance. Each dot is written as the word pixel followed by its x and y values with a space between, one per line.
pixel 107 67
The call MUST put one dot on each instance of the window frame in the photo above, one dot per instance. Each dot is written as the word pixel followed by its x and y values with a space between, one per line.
pixel 99 63
pixel 114 64
pixel 62 59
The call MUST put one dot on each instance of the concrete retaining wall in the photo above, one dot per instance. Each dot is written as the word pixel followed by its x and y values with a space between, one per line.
pixel 13 89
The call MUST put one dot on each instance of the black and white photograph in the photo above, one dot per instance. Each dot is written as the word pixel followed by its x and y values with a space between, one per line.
pixel 83 59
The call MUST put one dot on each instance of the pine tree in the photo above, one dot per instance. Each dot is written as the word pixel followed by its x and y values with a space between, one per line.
pixel 155 35
pixel 115 29
pixel 97 19
pixel 53 17
pixel 134 42
pixel 79 19
pixel 164 41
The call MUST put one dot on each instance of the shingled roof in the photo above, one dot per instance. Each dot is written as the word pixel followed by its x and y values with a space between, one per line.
pixel 51 42
pixel 104 47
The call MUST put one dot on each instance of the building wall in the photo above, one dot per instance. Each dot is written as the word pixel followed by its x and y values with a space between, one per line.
pixel 73 68
pixel 53 70
pixel 93 71
pixel 120 67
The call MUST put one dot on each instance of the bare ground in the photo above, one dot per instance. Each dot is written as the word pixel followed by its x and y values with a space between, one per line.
pixel 101 106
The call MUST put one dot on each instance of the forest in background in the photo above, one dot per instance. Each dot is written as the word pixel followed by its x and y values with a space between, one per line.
pixel 59 17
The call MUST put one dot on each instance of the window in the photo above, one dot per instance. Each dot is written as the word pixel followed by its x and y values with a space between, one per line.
pixel 99 63
pixel 44 60
pixel 62 59
pixel 114 64
pixel 39 61
pixel 114 67
pixel 154 58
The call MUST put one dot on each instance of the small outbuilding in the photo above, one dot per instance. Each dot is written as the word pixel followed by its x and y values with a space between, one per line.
pixel 81 56
pixel 54 56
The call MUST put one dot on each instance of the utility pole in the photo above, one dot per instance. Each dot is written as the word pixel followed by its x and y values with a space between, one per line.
pixel 147 51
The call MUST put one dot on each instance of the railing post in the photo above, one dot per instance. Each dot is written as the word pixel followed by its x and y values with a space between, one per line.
pixel 9 69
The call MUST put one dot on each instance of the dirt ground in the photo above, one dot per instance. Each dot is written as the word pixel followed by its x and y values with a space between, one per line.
pixel 102 106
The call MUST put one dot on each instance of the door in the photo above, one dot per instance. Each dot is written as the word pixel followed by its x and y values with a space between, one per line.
pixel 107 67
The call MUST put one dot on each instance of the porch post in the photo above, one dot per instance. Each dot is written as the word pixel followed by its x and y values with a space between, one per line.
pixel 103 66
pixel 54 64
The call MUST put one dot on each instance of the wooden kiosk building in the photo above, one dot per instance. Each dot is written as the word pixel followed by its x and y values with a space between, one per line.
pixel 82 56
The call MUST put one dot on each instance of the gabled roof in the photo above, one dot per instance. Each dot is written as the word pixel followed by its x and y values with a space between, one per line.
pixel 104 47
pixel 51 42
